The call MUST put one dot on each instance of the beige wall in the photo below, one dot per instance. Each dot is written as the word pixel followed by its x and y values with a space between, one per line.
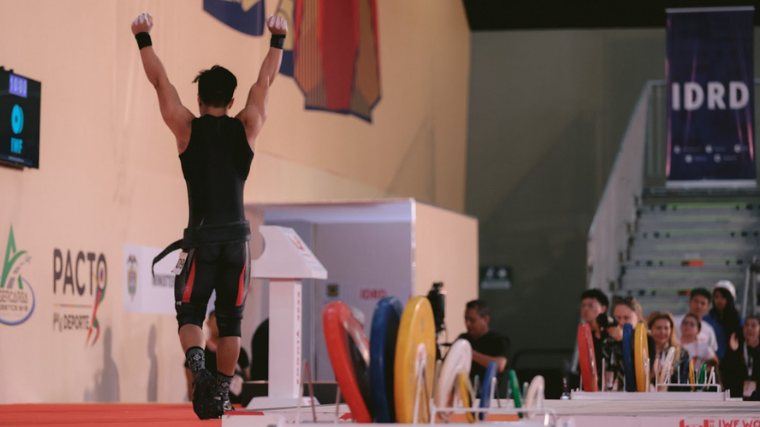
pixel 360 256
pixel 109 173
pixel 446 250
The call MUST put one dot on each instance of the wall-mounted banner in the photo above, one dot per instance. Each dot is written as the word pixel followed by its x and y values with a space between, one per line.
pixel 332 51
pixel 710 97
pixel 143 291
pixel 246 16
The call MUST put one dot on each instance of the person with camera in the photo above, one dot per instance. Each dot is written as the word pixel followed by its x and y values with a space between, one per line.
pixel 487 345
pixel 626 310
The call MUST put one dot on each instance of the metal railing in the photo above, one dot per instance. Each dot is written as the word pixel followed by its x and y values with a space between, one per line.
pixel 749 300
pixel 608 235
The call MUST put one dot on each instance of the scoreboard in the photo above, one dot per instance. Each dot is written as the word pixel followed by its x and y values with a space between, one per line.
pixel 19 120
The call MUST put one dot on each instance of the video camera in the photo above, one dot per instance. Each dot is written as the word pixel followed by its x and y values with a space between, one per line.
pixel 437 299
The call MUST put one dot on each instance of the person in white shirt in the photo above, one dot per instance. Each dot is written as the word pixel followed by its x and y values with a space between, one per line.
pixel 696 344
pixel 699 305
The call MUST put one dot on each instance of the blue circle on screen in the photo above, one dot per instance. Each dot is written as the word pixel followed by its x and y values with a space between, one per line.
pixel 17 119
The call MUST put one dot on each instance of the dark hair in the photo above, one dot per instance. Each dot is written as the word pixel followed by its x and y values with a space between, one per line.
pixel 729 319
pixel 479 305
pixel 700 291
pixel 597 295
pixel 696 319
pixel 752 316
pixel 216 86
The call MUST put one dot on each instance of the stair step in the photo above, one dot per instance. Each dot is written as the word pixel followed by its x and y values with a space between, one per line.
pixel 689 220
pixel 687 262
pixel 637 253
pixel 697 245
pixel 700 208
pixel 677 273
pixel 678 283
pixel 675 233
pixel 674 303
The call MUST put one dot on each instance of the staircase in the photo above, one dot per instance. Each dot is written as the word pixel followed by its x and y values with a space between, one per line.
pixel 675 247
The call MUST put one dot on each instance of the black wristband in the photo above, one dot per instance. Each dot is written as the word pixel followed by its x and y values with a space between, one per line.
pixel 143 40
pixel 278 41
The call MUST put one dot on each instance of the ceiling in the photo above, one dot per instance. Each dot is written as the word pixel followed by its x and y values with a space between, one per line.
pixel 495 15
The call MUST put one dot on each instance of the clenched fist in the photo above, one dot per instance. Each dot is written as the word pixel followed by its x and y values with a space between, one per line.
pixel 277 25
pixel 142 24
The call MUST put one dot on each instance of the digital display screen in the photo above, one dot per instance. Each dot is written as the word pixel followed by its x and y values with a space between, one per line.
pixel 19 120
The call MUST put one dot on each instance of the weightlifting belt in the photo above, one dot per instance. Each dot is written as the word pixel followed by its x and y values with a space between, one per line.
pixel 208 235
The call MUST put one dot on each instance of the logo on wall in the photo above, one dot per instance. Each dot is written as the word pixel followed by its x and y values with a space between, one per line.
pixel 132 276
pixel 17 300
pixel 246 16
pixel 82 280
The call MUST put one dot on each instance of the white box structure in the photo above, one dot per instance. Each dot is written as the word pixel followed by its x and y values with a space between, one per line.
pixel 285 262
pixel 372 249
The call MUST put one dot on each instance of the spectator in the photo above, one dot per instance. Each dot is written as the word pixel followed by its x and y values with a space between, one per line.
pixel 662 327
pixel 260 352
pixel 594 303
pixel 692 341
pixel 699 305
pixel 626 311
pixel 487 345
pixel 723 317
pixel 741 366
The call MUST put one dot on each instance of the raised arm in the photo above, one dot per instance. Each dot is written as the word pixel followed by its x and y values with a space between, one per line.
pixel 175 115
pixel 254 114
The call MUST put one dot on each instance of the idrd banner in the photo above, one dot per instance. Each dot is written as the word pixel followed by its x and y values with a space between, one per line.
pixel 710 97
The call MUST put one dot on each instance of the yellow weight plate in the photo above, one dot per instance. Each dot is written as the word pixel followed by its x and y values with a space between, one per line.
pixel 415 346
pixel 692 373
pixel 641 356
pixel 463 387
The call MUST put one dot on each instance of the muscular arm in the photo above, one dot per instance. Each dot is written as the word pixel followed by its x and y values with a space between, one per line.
pixel 175 115
pixel 254 114
pixel 483 360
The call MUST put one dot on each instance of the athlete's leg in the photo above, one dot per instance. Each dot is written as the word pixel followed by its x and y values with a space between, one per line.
pixel 192 290
pixel 231 290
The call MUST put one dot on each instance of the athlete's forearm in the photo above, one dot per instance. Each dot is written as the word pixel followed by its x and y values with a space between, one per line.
pixel 483 360
pixel 271 66
pixel 154 69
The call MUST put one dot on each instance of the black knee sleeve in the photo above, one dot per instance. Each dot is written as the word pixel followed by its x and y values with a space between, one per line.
pixel 228 321
pixel 191 314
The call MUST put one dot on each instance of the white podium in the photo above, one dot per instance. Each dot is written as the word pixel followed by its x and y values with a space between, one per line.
pixel 285 262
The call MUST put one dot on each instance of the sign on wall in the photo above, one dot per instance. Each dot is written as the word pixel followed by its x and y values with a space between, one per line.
pixel 710 97
pixel 145 292
pixel 495 277
pixel 80 280
pixel 17 298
